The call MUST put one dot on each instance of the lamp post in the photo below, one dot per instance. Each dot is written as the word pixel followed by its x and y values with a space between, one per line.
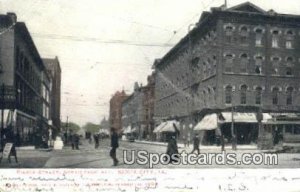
pixel 233 134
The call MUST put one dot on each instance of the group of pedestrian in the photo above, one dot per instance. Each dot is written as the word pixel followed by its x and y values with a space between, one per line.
pixel 75 141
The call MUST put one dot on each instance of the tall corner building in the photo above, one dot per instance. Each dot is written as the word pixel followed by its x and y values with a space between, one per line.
pixel 236 72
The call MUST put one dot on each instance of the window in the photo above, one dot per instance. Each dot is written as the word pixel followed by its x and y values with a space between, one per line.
pixel 228 94
pixel 275 65
pixel 288 44
pixel 244 94
pixel 243 34
pixel 275 42
pixel 288 71
pixel 244 62
pixel 258 94
pixel 275 38
pixel 289 95
pixel 228 62
pixel 258 64
pixel 228 33
pixel 258 36
pixel 275 92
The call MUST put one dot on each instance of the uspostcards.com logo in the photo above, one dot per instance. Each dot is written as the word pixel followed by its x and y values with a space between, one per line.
pixel 143 158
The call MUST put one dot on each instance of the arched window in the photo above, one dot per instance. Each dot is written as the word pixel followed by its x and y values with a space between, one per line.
pixel 275 38
pixel 258 94
pixel 228 94
pixel 258 64
pixel 229 28
pixel 244 94
pixel 258 36
pixel 275 93
pixel 275 65
pixel 244 34
pixel 228 62
pixel 244 62
pixel 289 95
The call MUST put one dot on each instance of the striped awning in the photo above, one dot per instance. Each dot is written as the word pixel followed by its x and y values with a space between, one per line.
pixel 208 122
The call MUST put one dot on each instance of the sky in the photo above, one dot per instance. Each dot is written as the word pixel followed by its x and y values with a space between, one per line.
pixel 107 45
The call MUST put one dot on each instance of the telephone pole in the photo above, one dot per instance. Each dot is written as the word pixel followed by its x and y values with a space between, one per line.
pixel 2 113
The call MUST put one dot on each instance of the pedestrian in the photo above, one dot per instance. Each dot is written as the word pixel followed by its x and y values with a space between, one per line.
pixel 44 142
pixel 10 138
pixel 73 140
pixel 196 142
pixel 96 139
pixel 172 150
pixel 114 145
pixel 77 140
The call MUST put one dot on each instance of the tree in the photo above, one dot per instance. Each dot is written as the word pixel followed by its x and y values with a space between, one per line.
pixel 91 127
pixel 70 126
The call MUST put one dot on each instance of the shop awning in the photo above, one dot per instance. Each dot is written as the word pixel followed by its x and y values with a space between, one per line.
pixel 239 117
pixel 127 130
pixel 170 126
pixel 8 117
pixel 134 129
pixel 208 122
pixel 283 119
pixel 159 127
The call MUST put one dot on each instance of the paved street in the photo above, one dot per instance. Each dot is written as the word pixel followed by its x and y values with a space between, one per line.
pixel 88 157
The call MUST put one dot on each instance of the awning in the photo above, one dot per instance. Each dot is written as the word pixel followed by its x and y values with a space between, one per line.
pixel 159 127
pixel 127 130
pixel 170 126
pixel 8 117
pixel 239 117
pixel 209 122
pixel 134 129
pixel 283 119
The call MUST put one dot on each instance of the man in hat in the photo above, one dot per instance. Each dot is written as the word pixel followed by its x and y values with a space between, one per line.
pixel 196 144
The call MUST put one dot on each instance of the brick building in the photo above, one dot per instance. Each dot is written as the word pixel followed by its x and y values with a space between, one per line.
pixel 133 113
pixel 115 110
pixel 241 62
pixel 24 81
pixel 54 70
pixel 148 103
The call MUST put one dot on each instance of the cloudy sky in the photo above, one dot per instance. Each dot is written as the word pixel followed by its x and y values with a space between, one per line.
pixel 106 45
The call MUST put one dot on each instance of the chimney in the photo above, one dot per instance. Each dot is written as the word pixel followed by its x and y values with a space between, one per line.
pixel 12 17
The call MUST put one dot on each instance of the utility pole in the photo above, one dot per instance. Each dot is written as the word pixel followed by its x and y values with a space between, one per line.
pixel 67 129
pixel 2 113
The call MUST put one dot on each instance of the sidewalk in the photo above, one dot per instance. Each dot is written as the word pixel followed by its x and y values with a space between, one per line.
pixel 28 157
pixel 206 147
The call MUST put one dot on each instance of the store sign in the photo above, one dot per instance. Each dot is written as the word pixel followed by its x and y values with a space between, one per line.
pixel 6 150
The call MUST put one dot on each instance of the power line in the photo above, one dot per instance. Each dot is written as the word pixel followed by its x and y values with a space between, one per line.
pixel 92 39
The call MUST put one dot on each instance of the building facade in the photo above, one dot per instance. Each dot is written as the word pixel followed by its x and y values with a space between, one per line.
pixel 54 71
pixel 25 83
pixel 133 113
pixel 115 110
pixel 241 60
pixel 148 103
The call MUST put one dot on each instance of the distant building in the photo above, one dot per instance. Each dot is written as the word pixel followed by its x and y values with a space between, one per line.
pixel 242 62
pixel 104 124
pixel 54 70
pixel 115 110
pixel 24 83
pixel 133 112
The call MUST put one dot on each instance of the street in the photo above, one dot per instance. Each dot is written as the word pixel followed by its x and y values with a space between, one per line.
pixel 89 157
